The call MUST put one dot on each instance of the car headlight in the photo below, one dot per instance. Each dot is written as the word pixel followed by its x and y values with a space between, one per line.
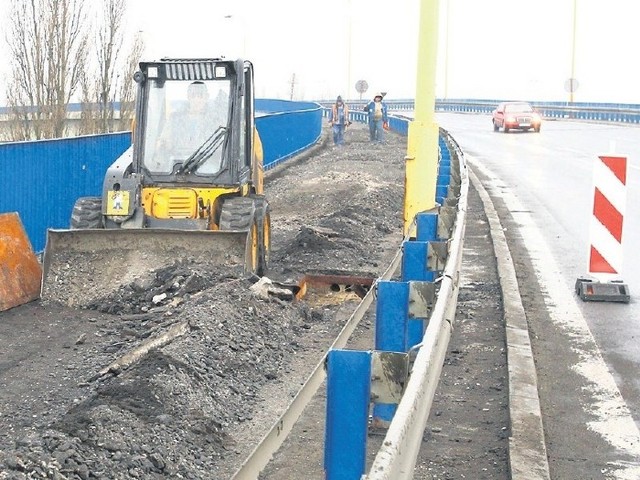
pixel 510 119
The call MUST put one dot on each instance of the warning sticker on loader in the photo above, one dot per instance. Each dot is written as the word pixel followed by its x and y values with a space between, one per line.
pixel 118 202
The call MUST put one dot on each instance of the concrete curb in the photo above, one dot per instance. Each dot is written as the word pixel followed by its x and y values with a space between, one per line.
pixel 527 451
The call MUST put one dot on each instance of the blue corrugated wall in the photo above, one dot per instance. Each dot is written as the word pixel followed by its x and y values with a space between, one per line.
pixel 288 128
pixel 41 180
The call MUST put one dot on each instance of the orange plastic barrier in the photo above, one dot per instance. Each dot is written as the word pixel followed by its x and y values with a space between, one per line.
pixel 20 271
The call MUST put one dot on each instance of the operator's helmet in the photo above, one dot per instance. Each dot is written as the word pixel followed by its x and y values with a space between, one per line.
pixel 378 95
pixel 197 89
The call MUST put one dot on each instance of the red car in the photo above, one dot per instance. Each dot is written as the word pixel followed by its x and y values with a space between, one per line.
pixel 516 116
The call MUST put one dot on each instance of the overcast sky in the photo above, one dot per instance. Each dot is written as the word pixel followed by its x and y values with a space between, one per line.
pixel 491 49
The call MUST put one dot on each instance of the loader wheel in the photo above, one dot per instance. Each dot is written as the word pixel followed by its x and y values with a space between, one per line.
pixel 254 248
pixel 87 213
pixel 238 213
pixel 263 217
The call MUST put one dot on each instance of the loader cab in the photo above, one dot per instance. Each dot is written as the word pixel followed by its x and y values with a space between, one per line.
pixel 194 122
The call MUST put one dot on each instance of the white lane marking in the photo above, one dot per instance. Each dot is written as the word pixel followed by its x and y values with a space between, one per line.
pixel 614 422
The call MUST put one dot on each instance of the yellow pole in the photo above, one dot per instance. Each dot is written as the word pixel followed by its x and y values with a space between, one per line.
pixel 573 54
pixel 346 94
pixel 422 142
pixel 446 52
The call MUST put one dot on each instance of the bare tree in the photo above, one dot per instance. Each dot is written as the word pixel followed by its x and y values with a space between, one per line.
pixel 128 86
pixel 112 76
pixel 48 43
pixel 48 47
pixel 99 85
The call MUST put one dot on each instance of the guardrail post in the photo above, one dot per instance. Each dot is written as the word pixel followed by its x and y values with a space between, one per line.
pixel 421 299
pixel 348 397
pixel 392 307
pixel 414 262
pixel 391 333
pixel 416 253
pixel 444 172
pixel 427 226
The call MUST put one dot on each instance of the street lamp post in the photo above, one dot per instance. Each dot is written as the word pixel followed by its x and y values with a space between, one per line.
pixel 346 93
pixel 232 18
pixel 572 80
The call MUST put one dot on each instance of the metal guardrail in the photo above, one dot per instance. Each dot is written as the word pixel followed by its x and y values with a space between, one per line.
pixel 397 457
pixel 628 114
pixel 594 112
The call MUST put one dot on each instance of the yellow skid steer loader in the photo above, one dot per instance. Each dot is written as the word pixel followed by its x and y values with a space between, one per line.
pixel 190 186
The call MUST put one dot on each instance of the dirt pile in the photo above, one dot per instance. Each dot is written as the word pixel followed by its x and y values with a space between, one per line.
pixel 195 406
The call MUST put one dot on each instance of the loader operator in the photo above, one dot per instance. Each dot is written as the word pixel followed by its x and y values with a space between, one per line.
pixel 188 129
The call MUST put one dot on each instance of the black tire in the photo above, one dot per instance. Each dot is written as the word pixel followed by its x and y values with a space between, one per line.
pixel 253 262
pixel 506 129
pixel 239 213
pixel 263 219
pixel 87 213
pixel 495 126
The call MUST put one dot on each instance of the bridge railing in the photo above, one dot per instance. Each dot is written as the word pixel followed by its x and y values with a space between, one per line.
pixel 595 112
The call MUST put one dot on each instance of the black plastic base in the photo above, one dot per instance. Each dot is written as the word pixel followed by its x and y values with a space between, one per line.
pixel 594 291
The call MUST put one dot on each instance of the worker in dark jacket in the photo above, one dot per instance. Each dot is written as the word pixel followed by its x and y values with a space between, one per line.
pixel 339 120
pixel 378 119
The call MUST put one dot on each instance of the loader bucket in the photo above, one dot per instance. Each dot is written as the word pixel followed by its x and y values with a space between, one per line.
pixel 20 271
pixel 80 266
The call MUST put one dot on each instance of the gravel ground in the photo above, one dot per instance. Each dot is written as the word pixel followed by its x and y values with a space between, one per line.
pixel 74 405
pixel 179 372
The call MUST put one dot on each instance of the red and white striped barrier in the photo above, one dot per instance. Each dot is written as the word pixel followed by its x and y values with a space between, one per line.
pixel 609 199
pixel 605 254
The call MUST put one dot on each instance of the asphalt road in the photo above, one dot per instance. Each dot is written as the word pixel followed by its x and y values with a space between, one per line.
pixel 543 183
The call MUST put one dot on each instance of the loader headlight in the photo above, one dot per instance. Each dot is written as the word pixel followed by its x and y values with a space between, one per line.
pixel 152 72
pixel 220 71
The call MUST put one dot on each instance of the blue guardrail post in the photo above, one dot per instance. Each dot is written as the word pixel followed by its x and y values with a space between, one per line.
pixel 414 252
pixel 416 323
pixel 348 398
pixel 444 172
pixel 426 226
pixel 391 333
pixel 414 262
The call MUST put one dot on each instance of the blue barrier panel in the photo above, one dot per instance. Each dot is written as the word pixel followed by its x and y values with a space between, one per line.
pixel 414 262
pixel 296 127
pixel 426 226
pixel 415 331
pixel 391 334
pixel 441 193
pixel 444 170
pixel 42 179
pixel 391 316
pixel 348 395
pixel 443 180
